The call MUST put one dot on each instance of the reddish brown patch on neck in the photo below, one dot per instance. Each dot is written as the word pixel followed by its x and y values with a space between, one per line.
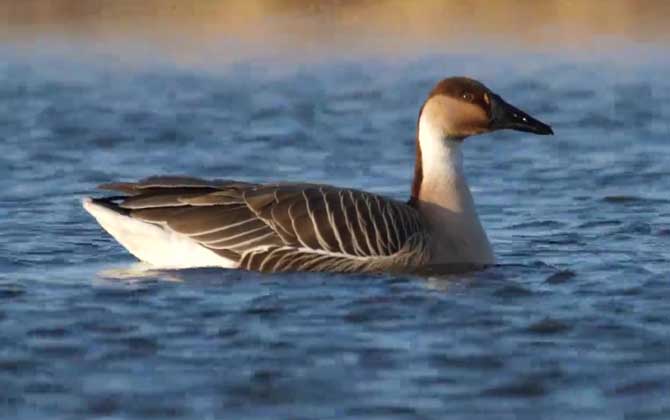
pixel 418 175
pixel 418 167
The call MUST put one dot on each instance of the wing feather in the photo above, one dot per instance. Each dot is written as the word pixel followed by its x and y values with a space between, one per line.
pixel 280 227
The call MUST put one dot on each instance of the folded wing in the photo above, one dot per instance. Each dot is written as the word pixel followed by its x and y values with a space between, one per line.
pixel 280 227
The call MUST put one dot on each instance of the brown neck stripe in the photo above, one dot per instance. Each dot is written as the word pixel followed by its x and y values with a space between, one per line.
pixel 418 165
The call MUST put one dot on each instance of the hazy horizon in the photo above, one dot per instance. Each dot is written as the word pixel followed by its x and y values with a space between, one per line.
pixel 205 31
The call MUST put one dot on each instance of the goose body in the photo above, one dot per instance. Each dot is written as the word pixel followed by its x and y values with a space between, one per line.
pixel 280 227
pixel 182 222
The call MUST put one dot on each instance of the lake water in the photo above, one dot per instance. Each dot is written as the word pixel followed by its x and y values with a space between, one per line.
pixel 573 323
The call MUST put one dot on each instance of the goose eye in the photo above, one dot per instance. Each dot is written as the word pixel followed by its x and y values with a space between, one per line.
pixel 468 96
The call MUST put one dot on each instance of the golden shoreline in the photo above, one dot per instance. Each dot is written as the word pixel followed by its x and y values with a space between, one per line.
pixel 188 29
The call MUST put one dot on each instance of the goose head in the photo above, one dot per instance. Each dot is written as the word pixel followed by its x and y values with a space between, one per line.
pixel 459 107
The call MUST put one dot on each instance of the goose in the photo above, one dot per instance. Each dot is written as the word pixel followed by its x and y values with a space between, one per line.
pixel 175 222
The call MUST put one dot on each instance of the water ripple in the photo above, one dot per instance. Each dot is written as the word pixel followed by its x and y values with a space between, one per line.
pixel 573 323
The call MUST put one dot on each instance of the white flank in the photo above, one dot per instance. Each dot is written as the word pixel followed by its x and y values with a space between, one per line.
pixel 153 244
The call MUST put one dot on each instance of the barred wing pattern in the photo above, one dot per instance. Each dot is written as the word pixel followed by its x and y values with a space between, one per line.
pixel 281 227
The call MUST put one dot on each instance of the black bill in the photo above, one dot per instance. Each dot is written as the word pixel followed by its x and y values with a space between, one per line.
pixel 506 116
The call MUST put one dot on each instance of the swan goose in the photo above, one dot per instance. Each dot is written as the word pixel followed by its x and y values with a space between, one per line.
pixel 182 222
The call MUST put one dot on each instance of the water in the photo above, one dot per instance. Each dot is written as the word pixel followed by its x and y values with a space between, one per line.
pixel 574 323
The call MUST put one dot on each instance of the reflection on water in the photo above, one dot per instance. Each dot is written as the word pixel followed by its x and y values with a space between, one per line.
pixel 140 272
pixel 137 272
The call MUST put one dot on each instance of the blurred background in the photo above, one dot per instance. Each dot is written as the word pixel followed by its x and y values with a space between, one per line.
pixel 573 323
pixel 206 32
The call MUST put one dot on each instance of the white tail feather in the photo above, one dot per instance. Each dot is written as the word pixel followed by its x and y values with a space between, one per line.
pixel 155 244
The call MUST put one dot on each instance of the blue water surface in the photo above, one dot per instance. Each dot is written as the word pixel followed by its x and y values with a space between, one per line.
pixel 574 323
